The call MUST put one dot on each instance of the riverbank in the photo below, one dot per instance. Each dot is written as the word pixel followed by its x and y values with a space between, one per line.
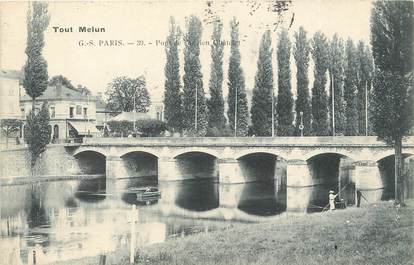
pixel 376 234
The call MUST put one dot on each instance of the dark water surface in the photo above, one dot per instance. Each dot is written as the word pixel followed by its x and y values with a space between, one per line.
pixel 62 220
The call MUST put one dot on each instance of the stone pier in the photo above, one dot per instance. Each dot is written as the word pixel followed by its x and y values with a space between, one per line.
pixel 115 168
pixel 230 171
pixel 298 177
pixel 367 178
pixel 168 169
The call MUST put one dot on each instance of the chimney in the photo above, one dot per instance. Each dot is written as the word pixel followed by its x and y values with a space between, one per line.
pixel 59 88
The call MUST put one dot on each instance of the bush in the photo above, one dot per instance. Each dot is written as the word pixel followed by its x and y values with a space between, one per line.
pixel 151 127
pixel 121 128
pixel 148 127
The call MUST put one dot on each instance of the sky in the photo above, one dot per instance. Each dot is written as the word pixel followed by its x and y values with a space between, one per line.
pixel 148 21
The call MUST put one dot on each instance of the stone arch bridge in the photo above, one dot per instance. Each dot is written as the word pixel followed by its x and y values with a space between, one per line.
pixel 229 158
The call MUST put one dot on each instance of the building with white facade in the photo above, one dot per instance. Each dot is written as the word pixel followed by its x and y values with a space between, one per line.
pixel 72 111
pixel 156 110
pixel 9 94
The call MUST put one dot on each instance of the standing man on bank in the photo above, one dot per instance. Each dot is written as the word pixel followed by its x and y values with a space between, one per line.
pixel 332 197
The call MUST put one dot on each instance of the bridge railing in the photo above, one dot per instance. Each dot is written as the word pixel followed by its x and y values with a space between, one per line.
pixel 232 141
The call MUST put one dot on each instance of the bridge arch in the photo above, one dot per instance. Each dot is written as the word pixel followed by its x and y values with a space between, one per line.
pixel 386 167
pixel 330 171
pixel 253 152
pixel 139 164
pixel 137 151
pixel 91 162
pixel 391 153
pixel 197 165
pixel 186 151
pixel 91 149
pixel 262 166
pixel 343 153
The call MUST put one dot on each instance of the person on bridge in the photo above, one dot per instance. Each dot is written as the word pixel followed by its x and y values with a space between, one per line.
pixel 332 197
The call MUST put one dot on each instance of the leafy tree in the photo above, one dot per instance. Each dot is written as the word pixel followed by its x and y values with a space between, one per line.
pixel 121 128
pixel 263 89
pixel 393 95
pixel 301 53
pixel 148 127
pixel 319 98
pixel 365 74
pixel 35 70
pixel 350 89
pixel 236 99
pixel 216 102
pixel 10 127
pixel 151 127
pixel 193 93
pixel 37 132
pixel 172 95
pixel 121 92
pixel 60 79
pixel 336 73
pixel 284 96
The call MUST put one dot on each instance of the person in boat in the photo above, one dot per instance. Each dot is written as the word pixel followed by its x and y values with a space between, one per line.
pixel 332 197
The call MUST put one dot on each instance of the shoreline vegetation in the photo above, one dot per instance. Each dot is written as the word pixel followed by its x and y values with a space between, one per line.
pixel 378 233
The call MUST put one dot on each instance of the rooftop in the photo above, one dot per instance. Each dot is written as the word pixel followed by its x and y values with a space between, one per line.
pixel 63 93
pixel 11 74
pixel 129 116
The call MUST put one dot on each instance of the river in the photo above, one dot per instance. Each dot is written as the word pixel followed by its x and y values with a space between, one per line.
pixel 62 220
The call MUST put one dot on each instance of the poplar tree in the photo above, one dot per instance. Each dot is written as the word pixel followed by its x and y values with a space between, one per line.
pixel 172 85
pixel 365 72
pixel 37 132
pixel 194 103
pixel 217 121
pixel 320 46
pixel 301 54
pixel 284 96
pixel 336 74
pixel 263 89
pixel 393 93
pixel 236 85
pixel 35 70
pixel 37 129
pixel 350 89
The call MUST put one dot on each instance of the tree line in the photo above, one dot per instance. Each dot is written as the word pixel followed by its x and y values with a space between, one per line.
pixel 342 70
pixel 349 66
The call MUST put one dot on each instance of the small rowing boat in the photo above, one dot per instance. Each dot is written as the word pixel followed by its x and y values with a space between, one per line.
pixel 146 193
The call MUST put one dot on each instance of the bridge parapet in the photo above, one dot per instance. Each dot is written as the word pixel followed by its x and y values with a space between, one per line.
pixel 243 141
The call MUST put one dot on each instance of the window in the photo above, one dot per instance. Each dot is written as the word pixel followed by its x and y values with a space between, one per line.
pixel 78 110
pixel 52 112
pixel 71 112
pixel 85 112
pixel 56 132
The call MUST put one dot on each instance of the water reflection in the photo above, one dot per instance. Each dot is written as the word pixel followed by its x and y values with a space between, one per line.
pixel 197 195
pixel 91 190
pixel 78 218
pixel 262 198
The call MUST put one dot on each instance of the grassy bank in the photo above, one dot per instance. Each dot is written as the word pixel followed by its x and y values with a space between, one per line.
pixel 376 234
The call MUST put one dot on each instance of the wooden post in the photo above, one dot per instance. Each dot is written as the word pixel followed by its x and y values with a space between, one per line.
pixel 102 260
pixel 134 219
